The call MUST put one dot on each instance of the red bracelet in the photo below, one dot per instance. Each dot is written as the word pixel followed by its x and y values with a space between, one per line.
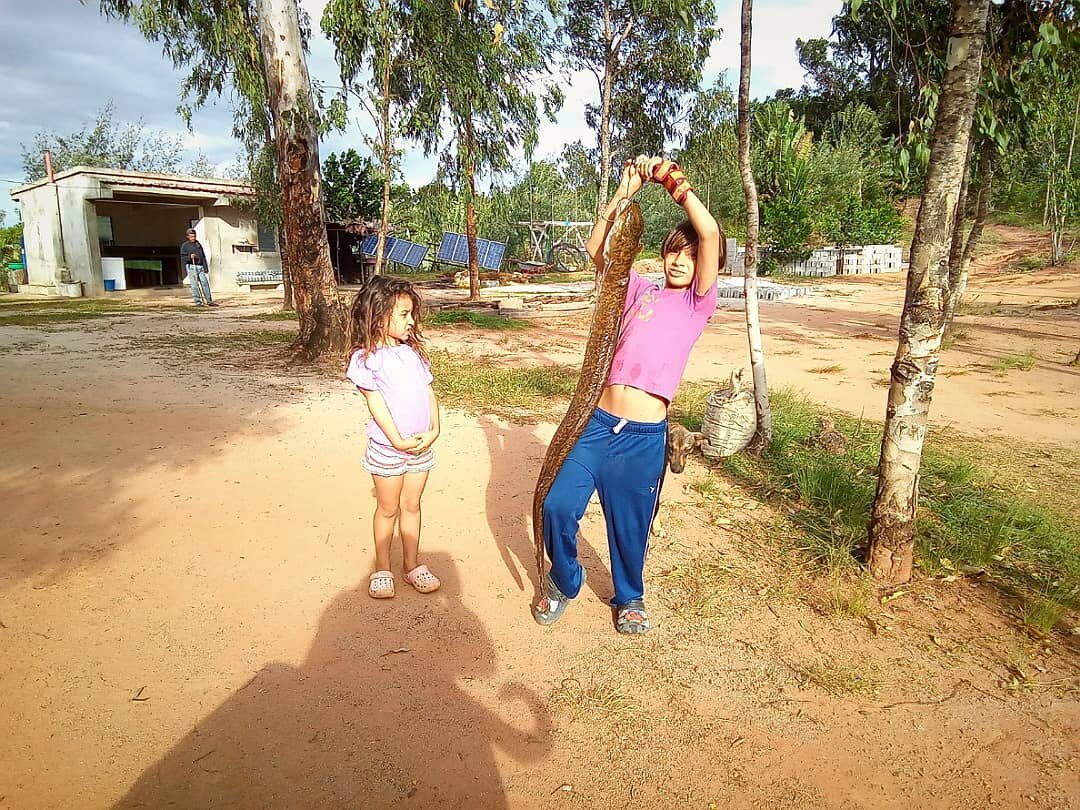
pixel 671 177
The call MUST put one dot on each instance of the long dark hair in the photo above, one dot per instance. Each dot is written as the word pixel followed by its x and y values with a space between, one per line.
pixel 371 311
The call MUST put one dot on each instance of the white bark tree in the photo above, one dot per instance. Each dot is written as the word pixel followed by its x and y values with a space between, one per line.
pixel 763 433
pixel 914 370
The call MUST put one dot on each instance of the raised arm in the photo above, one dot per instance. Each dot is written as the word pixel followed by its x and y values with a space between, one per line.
pixel 668 174
pixel 629 184
pixel 707 265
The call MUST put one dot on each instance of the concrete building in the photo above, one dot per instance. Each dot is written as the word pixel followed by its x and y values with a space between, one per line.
pixel 90 225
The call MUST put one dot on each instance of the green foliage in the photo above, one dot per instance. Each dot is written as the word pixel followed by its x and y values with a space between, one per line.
pixel 786 228
pixel 470 83
pixel 650 54
pixel 10 242
pixel 710 153
pixel 965 517
pixel 217 43
pixel 481 320
pixel 104 143
pixel 352 187
pixel 862 222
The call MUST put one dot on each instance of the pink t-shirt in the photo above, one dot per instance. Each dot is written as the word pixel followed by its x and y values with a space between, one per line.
pixel 402 377
pixel 660 326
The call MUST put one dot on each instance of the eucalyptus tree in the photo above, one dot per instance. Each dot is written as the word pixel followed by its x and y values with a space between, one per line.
pixel 469 81
pixel 763 433
pixel 646 56
pixel 1054 161
pixel 372 43
pixel 104 142
pixel 254 50
pixel 914 369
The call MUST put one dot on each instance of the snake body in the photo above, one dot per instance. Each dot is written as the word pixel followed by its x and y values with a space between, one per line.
pixel 620 249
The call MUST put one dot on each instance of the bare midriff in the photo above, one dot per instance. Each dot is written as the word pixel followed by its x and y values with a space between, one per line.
pixel 627 402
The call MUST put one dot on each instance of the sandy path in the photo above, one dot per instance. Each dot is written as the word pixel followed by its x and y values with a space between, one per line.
pixel 184 622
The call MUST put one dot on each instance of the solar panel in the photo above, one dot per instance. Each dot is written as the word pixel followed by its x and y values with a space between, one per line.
pixel 415 255
pixel 454 248
pixel 398 250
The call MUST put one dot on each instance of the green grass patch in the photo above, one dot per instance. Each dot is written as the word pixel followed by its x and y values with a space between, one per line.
pixel 477 318
pixel 1024 362
pixel 1017 219
pixel 1027 264
pixel 480 384
pixel 967 516
pixel 53 311
pixel 56 311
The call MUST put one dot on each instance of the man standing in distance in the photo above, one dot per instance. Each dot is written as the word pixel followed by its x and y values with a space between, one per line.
pixel 193 259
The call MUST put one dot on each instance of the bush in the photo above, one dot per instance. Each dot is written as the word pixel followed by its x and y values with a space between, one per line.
pixel 787 228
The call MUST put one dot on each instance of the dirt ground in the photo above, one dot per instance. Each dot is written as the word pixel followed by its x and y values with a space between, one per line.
pixel 184 619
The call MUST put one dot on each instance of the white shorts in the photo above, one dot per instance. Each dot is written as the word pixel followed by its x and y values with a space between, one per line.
pixel 382 459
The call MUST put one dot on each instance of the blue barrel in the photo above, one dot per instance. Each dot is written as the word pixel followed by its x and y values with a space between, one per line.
pixel 110 285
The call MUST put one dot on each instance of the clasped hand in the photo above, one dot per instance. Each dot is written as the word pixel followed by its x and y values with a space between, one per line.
pixel 636 172
pixel 417 443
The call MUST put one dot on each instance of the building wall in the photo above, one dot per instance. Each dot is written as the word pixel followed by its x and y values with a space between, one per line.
pixel 227 228
pixel 223 230
pixel 41 234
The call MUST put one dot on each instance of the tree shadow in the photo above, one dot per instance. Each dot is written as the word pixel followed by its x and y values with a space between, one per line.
pixel 383 712
pixel 516 455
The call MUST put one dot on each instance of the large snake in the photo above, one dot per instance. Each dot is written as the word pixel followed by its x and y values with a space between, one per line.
pixel 621 247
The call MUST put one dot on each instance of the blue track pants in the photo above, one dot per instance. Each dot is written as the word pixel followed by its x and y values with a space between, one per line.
pixel 623 462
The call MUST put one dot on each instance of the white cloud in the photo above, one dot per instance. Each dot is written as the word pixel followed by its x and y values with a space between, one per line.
pixel 61 61
pixel 776 25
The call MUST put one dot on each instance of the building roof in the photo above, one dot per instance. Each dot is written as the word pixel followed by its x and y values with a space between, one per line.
pixel 125 178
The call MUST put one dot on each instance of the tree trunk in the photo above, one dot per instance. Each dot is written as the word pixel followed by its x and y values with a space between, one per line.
pixel 605 139
pixel 763 433
pixel 982 208
pixel 470 214
pixel 956 248
pixel 323 321
pixel 1057 227
pixel 287 303
pixel 892 519
pixel 386 155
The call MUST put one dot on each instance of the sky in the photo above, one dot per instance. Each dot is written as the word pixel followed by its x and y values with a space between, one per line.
pixel 61 61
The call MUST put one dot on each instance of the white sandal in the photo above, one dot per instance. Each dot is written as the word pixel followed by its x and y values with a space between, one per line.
pixel 422 579
pixel 381 585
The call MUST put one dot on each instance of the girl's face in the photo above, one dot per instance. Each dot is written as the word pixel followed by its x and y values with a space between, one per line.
pixel 679 268
pixel 400 324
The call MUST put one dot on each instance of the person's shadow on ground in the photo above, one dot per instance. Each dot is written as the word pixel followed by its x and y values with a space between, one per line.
pixel 375 717
pixel 516 457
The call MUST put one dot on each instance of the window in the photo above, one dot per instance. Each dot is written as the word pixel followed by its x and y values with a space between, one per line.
pixel 104 230
pixel 267 239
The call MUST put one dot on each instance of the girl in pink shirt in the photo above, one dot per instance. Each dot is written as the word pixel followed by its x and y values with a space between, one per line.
pixel 621 453
pixel 390 368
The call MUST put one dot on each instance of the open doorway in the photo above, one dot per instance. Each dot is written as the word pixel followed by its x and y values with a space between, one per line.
pixel 140 240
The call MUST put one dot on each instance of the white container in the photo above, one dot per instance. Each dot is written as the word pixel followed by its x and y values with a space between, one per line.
pixel 70 289
pixel 112 268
